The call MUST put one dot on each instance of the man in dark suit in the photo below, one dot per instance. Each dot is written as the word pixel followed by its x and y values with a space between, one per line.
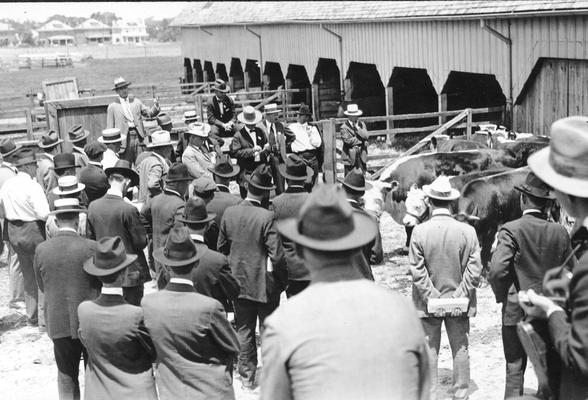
pixel 224 171
pixel 526 248
pixel 355 137
pixel 343 337
pixel 287 205
pixel 111 216
pixel 195 342
pixel 248 236
pixel 249 145
pixel 220 110
pixel 120 351
pixel 58 267
pixel 92 175
pixel 212 277
pixel 159 214
pixel 280 139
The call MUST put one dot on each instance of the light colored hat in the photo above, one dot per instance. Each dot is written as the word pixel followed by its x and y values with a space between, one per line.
pixel 441 189
pixel 221 86
pixel 159 139
pixel 271 108
pixel 111 135
pixel 67 185
pixel 249 116
pixel 353 110
pixel 564 164
pixel 120 83
pixel 190 115
pixel 67 205
pixel 198 129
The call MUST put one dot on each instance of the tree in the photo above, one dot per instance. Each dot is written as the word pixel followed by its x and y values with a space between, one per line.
pixel 71 21
pixel 160 30
pixel 105 17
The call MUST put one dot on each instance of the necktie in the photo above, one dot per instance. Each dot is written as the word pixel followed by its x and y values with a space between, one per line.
pixel 272 136
pixel 221 107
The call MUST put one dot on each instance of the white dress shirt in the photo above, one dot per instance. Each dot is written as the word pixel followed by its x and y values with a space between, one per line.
pixel 23 199
pixel 181 281
pixel 253 137
pixel 109 159
pixel 112 290
pixel 307 137
pixel 126 107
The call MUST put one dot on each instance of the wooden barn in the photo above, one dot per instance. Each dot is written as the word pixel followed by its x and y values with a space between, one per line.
pixel 400 57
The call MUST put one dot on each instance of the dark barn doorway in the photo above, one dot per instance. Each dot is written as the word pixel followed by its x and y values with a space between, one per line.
pixel 297 78
pixel 412 93
pixel 327 88
pixel 252 75
pixel 364 87
pixel 272 76
pixel 188 76
pixel 236 75
pixel 221 72
pixel 198 73
pixel 209 75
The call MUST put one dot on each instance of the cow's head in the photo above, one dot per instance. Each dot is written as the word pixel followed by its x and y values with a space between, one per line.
pixel 374 197
pixel 416 207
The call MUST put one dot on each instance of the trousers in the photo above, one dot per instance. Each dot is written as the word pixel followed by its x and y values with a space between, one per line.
pixel 134 146
pixel 15 279
pixel 457 332
pixel 247 313
pixel 67 353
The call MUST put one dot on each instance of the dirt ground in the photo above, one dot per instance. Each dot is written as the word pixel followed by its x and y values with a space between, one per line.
pixel 27 366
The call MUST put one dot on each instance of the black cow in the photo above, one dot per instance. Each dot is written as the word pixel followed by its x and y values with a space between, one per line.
pixel 451 145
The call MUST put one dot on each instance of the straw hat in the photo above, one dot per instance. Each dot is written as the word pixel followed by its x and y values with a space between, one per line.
pixel 159 139
pixel 68 185
pixel 271 108
pixel 111 135
pixel 120 83
pixel 441 189
pixel 68 205
pixel 249 116
pixel 353 110
pixel 221 86
pixel 198 129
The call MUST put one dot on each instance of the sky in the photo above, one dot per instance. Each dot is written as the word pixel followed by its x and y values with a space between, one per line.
pixel 126 10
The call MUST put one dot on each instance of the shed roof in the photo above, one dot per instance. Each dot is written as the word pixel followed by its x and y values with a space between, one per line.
pixel 55 25
pixel 92 23
pixel 270 12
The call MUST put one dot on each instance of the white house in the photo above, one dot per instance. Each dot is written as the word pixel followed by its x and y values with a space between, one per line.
pixel 128 31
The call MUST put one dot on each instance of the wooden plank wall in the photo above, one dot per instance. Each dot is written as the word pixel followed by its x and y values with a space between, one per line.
pixel 61 89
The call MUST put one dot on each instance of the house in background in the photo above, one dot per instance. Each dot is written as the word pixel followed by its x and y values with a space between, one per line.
pixel 124 32
pixel 7 34
pixel 56 33
pixel 92 31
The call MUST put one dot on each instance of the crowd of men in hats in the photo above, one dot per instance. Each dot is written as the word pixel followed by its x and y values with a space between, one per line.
pixel 87 229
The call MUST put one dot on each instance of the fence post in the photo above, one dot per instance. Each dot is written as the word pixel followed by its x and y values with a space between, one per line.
pixel 469 124
pixel 29 122
pixel 330 160
pixel 199 105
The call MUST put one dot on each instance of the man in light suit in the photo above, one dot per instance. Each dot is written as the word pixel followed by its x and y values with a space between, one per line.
pixel 126 113
pixel 200 155
pixel 195 342
pixel 155 166
pixel 343 337
pixel 120 351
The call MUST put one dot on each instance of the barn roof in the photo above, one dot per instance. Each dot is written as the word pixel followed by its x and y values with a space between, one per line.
pixel 271 12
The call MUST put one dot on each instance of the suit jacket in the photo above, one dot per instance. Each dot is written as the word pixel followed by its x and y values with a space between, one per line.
pixel 199 160
pixel 525 250
pixel 115 117
pixel 159 215
pixel 151 171
pixel 213 278
pixel 345 340
pixel 220 202
pixel 373 252
pixel 248 236
pixel 195 344
pixel 444 258
pixel 112 216
pixel 213 111
pixel 280 143
pixel 58 265
pixel 95 180
pixel 81 159
pixel 287 205
pixel 45 175
pixel 120 351
pixel 242 149
pixel 355 142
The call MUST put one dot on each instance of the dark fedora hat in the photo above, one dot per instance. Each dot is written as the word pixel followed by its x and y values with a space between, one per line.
pixel 49 140
pixel 178 172
pixel 64 161
pixel 327 222
pixel 111 256
pixel 163 119
pixel 355 180
pixel 261 178
pixel 535 187
pixel 224 167
pixel 77 133
pixel 304 110
pixel 179 250
pixel 295 168
pixel 7 147
pixel 25 156
pixel 123 167
pixel 195 212
pixel 221 86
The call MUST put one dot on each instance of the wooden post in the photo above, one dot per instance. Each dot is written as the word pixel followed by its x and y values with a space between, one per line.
pixel 29 122
pixel 315 102
pixel 232 83
pixel 246 81
pixel 199 107
pixel 308 96
pixel 442 107
pixel 469 124
pixel 389 108
pixel 330 159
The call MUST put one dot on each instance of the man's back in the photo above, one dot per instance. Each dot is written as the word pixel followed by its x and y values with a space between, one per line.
pixel 151 170
pixel 345 340
pixel 164 208
pixel 220 202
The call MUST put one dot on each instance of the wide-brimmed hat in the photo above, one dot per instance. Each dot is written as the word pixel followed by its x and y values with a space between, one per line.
pixel 195 212
pixel 77 133
pixel 261 178
pixel 94 149
pixel 203 185
pixel 7 147
pixel 304 110
pixel 25 156
pixel 64 161
pixel 123 167
pixel 327 222
pixel 159 139
pixel 221 86
pixel 535 187
pixel 190 116
pixel 353 110
pixel 67 205
pixel 110 257
pixel 68 185
pixel 111 135
pixel 49 140
pixel 441 189
pixel 224 167
pixel 355 180
pixel 271 108
pixel 120 83
pixel 150 125
pixel 564 164
pixel 179 250
pixel 295 168
pixel 249 116
pixel 164 119
pixel 178 172
pixel 198 129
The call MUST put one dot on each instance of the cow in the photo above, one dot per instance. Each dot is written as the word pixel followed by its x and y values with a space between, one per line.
pixel 451 145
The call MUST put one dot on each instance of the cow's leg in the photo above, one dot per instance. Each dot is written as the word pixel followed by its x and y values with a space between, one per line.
pixel 408 230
